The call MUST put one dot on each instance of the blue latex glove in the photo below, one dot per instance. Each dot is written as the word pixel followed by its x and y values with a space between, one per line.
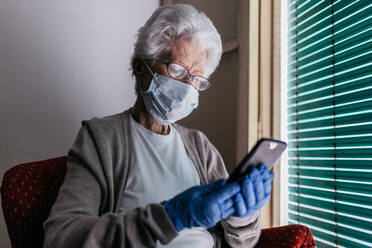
pixel 202 206
pixel 255 191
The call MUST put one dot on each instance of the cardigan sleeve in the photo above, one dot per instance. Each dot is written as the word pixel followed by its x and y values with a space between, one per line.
pixel 237 232
pixel 78 219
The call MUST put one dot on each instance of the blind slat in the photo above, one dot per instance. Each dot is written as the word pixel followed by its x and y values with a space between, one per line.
pixel 344 120
pixel 340 99
pixel 321 47
pixel 345 186
pixel 308 12
pixel 330 174
pixel 338 58
pixel 324 15
pixel 364 59
pixel 322 244
pixel 326 37
pixel 326 23
pixel 293 3
pixel 327 51
pixel 322 6
pixel 300 6
pixel 340 131
pixel 340 229
pixel 342 164
pixel 338 142
pixel 330 153
pixel 343 208
pixel 337 240
pixel 298 42
pixel 330 110
pixel 357 199
pixel 328 90
pixel 308 88
pixel 362 71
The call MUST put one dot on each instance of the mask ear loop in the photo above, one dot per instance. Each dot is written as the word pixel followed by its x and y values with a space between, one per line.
pixel 148 67
pixel 152 96
pixel 140 83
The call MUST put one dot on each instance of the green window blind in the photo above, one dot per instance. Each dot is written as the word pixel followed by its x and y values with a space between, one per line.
pixel 330 120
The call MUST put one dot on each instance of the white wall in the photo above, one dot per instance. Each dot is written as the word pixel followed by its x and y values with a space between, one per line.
pixel 61 62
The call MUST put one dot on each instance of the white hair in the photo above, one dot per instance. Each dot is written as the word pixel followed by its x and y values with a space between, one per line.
pixel 172 22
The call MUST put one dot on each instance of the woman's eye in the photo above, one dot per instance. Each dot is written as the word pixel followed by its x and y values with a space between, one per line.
pixel 177 71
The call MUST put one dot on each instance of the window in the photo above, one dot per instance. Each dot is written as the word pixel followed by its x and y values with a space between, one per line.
pixel 329 122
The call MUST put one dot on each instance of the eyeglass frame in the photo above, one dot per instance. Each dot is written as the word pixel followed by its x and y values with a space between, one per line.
pixel 187 76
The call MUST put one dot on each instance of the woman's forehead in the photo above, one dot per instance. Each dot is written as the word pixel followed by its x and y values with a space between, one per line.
pixel 189 54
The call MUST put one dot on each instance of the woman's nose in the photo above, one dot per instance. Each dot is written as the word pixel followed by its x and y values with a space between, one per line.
pixel 188 80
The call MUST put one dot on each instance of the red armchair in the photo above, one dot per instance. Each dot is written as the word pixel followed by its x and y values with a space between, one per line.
pixel 29 190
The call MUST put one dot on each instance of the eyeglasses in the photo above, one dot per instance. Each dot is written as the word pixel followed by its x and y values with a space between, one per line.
pixel 179 72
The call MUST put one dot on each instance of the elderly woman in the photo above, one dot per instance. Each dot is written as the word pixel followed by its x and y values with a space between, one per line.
pixel 136 179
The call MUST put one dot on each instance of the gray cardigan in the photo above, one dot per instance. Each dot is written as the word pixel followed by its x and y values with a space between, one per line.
pixel 85 213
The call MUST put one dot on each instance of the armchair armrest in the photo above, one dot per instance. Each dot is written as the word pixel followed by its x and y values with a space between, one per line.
pixel 293 236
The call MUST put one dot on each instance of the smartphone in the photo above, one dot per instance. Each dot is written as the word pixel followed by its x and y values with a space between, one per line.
pixel 266 151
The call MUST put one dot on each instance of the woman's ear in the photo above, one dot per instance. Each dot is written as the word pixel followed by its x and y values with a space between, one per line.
pixel 138 67
pixel 141 73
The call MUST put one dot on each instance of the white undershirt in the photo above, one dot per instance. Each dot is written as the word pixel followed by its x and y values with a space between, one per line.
pixel 160 169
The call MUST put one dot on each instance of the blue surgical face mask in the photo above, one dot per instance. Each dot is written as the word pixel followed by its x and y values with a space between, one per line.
pixel 168 100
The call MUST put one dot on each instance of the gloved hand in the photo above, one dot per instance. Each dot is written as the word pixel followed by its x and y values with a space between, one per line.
pixel 255 191
pixel 202 206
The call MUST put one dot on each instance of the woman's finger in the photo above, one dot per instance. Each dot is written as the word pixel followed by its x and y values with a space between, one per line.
pixel 228 212
pixel 259 189
pixel 226 192
pixel 268 177
pixel 240 208
pixel 215 185
pixel 227 204
pixel 249 194
pixel 267 187
pixel 262 169
pixel 262 203
pixel 254 174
